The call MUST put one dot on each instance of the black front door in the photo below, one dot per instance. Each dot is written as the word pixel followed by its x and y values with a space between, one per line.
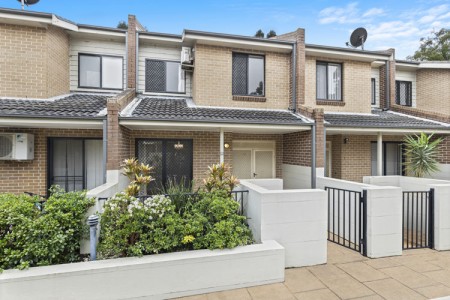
pixel 172 161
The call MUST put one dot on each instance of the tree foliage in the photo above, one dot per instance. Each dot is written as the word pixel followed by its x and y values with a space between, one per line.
pixel 259 34
pixel 271 34
pixel 122 25
pixel 421 153
pixel 436 47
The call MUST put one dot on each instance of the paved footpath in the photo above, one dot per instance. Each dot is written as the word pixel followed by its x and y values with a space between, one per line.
pixel 417 274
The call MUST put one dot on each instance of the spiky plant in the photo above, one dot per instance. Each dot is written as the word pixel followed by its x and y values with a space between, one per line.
pixel 138 174
pixel 421 153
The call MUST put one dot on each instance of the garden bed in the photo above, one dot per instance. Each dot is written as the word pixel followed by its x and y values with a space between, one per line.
pixel 159 276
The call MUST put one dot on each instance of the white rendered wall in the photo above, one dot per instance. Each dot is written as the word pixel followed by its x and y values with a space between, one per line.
pixel 159 276
pixel 298 177
pixel 296 219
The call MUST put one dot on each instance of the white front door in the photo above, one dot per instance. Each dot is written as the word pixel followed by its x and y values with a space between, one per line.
pixel 253 159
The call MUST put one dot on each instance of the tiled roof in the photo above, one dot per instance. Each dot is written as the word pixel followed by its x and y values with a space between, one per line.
pixel 163 109
pixel 85 106
pixel 381 119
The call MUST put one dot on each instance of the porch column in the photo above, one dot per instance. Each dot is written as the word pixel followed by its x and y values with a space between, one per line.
pixel 380 154
pixel 222 149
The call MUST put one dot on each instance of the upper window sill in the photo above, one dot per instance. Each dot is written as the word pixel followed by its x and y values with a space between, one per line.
pixel 330 102
pixel 249 98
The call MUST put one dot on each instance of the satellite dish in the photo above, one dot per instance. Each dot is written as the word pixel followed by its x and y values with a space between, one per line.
pixel 358 38
pixel 27 2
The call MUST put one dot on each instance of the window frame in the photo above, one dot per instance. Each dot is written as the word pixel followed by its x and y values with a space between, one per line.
pixel 101 71
pixel 163 92
pixel 326 63
pixel 263 56
pixel 403 156
pixel 397 93
pixel 373 85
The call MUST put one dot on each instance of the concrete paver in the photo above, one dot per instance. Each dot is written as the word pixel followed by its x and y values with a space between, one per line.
pixel 417 274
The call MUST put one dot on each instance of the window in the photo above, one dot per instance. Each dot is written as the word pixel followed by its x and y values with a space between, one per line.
pixel 329 81
pixel 164 76
pixel 393 159
pixel 403 93
pixel 75 164
pixel 172 161
pixel 374 93
pixel 248 75
pixel 101 72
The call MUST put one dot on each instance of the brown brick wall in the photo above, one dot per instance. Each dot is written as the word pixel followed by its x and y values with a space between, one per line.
pixel 34 61
pixel 31 176
pixel 356 91
pixel 433 91
pixel 213 76
pixel 297 148
pixel 131 58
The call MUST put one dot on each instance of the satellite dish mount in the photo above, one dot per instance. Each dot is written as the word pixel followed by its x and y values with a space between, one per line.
pixel 27 3
pixel 357 38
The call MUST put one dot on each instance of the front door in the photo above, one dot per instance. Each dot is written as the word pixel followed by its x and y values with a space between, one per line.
pixel 253 160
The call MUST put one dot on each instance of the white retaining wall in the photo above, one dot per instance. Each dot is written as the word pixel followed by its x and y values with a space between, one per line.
pixel 441 201
pixel 298 177
pixel 160 276
pixel 297 219
pixel 384 215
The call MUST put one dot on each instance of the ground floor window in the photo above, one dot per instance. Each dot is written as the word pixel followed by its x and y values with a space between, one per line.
pixel 75 164
pixel 253 159
pixel 393 158
pixel 172 161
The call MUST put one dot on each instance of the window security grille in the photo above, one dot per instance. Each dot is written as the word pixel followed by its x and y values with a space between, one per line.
pixel 248 75
pixel 403 93
pixel 155 76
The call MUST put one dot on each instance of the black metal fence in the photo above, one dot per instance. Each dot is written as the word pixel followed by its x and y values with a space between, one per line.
pixel 418 219
pixel 238 196
pixel 347 222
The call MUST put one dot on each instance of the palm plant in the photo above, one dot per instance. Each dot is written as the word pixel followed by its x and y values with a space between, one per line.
pixel 421 153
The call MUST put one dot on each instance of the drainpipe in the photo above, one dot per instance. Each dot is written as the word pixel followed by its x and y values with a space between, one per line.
pixel 222 138
pixel 388 86
pixel 313 155
pixel 325 169
pixel 294 78
pixel 379 154
pixel 137 63
pixel 105 147
pixel 126 60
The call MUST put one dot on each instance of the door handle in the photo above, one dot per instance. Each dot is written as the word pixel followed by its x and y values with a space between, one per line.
pixel 254 175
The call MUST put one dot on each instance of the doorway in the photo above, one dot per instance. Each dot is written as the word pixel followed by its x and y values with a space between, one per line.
pixel 254 160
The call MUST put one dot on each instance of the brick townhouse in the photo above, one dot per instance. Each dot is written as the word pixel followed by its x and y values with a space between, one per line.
pixel 90 96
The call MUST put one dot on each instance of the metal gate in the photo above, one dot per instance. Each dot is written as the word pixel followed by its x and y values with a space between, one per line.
pixel 347 222
pixel 418 219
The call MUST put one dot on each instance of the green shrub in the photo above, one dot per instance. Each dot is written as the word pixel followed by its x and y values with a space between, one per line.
pixel 29 237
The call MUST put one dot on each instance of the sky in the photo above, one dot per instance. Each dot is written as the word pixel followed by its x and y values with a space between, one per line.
pixel 399 24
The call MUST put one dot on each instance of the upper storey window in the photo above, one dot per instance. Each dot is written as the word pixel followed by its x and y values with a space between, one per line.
pixel 329 81
pixel 403 93
pixel 248 75
pixel 164 76
pixel 100 71
pixel 374 91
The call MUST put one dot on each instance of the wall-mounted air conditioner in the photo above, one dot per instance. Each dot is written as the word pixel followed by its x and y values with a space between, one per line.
pixel 16 146
pixel 187 58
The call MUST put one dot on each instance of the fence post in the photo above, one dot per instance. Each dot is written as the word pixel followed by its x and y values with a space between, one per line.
pixel 93 222
pixel 431 219
pixel 363 242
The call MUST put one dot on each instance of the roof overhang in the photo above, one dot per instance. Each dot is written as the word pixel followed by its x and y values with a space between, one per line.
pixel 192 37
pixel 160 38
pixel 212 126
pixel 434 65
pixel 386 131
pixel 344 53
pixel 50 123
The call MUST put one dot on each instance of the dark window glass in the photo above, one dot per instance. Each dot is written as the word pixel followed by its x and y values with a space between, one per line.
pixel 329 81
pixel 374 94
pixel 403 93
pixel 164 77
pixel 171 159
pixel 248 75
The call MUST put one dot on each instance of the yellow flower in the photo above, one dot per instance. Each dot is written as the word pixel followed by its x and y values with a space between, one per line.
pixel 188 239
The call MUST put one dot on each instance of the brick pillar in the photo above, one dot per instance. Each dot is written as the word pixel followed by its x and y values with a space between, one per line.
pixel 301 61
pixel 319 118
pixel 112 160
pixel 383 98
pixel 131 63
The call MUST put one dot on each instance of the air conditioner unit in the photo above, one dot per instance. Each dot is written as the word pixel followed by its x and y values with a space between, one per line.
pixel 16 146
pixel 186 55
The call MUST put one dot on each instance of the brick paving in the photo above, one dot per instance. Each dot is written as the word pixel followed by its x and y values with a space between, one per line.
pixel 417 274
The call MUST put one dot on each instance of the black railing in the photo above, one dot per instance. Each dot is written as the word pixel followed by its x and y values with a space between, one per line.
pixel 238 196
pixel 347 220
pixel 418 219
pixel 40 203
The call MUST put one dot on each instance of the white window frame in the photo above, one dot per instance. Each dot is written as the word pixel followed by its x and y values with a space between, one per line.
pixel 101 71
